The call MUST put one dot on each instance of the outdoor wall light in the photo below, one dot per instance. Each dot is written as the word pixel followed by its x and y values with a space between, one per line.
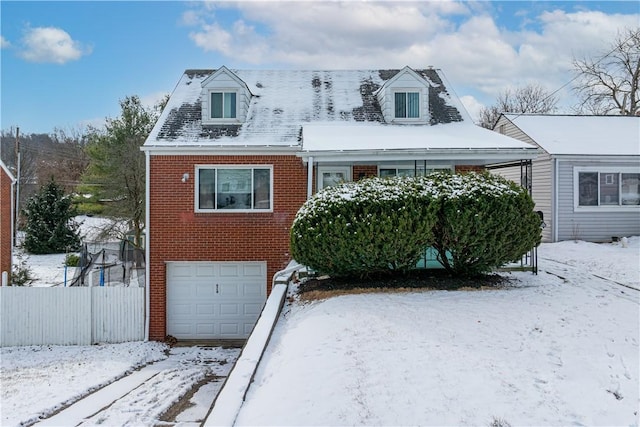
pixel 185 177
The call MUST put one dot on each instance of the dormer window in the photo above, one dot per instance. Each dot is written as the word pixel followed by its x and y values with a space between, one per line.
pixel 407 105
pixel 225 98
pixel 404 98
pixel 223 105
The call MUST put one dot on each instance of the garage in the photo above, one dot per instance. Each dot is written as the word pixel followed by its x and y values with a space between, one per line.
pixel 214 300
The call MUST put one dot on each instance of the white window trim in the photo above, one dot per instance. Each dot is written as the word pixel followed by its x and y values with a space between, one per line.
pixel 600 208
pixel 322 169
pixel 231 120
pixel 196 196
pixel 421 115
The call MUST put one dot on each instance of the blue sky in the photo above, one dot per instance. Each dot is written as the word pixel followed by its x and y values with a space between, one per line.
pixel 67 64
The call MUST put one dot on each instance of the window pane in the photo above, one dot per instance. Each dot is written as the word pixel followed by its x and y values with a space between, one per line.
pixel 206 188
pixel 261 189
pixel 216 105
pixel 609 189
pixel 413 105
pixel 588 189
pixel 406 172
pixel 230 105
pixel 631 188
pixel 401 104
pixel 330 179
pixel 384 173
pixel 234 189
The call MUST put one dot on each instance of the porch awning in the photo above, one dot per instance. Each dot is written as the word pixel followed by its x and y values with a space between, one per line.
pixel 459 142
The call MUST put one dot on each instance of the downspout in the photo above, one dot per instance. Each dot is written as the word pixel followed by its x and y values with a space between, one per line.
pixel 147 268
pixel 13 216
pixel 309 177
pixel 555 200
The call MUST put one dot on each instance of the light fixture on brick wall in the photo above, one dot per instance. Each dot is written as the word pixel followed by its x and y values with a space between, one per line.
pixel 185 177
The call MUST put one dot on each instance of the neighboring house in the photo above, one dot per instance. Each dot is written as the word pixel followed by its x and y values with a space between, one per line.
pixel 586 180
pixel 6 218
pixel 236 153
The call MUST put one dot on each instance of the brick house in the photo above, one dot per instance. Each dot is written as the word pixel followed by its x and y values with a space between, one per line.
pixel 237 152
pixel 6 217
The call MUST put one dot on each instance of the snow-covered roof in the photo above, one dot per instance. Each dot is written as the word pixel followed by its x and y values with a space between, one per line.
pixel 284 100
pixel 376 136
pixel 324 112
pixel 582 135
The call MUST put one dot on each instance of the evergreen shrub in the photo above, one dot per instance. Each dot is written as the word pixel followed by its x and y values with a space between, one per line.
pixel 484 221
pixel 50 227
pixel 367 227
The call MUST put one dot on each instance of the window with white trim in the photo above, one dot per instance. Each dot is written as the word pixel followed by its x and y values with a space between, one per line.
pixel 407 105
pixel 606 187
pixel 329 176
pixel 234 188
pixel 223 105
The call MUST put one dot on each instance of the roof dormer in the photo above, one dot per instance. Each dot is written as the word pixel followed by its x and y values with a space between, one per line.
pixel 225 98
pixel 404 99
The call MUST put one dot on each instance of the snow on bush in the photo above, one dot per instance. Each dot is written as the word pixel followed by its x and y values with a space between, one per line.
pixel 484 221
pixel 475 222
pixel 360 228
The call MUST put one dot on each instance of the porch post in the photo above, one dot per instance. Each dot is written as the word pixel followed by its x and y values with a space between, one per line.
pixel 309 177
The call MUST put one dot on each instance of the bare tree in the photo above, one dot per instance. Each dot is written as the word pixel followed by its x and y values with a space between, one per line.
pixel 609 85
pixel 531 98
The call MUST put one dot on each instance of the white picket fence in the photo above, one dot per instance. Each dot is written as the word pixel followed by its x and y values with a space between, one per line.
pixel 70 316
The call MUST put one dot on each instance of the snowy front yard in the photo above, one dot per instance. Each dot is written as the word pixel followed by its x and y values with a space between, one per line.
pixel 549 350
pixel 559 348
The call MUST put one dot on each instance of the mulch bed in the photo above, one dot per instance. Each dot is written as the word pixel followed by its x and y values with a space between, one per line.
pixel 429 279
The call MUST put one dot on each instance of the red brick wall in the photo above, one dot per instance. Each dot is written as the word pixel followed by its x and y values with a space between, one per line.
pixel 469 168
pixel 364 171
pixel 5 222
pixel 177 233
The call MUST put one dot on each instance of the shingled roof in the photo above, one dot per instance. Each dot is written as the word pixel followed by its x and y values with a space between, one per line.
pixel 284 101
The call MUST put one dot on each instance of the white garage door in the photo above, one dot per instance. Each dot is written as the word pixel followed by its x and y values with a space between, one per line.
pixel 214 300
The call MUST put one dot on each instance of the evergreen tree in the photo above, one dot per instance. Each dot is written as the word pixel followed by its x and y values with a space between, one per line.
pixel 116 169
pixel 50 227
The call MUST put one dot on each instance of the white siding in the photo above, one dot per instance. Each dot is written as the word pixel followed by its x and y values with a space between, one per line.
pixel 591 226
pixel 70 316
pixel 542 176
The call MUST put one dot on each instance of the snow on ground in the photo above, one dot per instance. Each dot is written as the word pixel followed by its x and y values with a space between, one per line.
pixel 48 270
pixel 38 380
pixel 547 350
pixel 558 348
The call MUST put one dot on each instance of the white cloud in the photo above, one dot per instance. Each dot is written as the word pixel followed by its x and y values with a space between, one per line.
pixel 472 106
pixel 461 38
pixel 4 43
pixel 50 44
pixel 150 100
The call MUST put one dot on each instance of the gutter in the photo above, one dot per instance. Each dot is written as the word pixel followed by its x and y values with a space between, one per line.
pixel 465 154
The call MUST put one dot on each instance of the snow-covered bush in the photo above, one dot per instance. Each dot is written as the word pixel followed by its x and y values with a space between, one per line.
pixel 366 227
pixel 476 222
pixel 484 221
